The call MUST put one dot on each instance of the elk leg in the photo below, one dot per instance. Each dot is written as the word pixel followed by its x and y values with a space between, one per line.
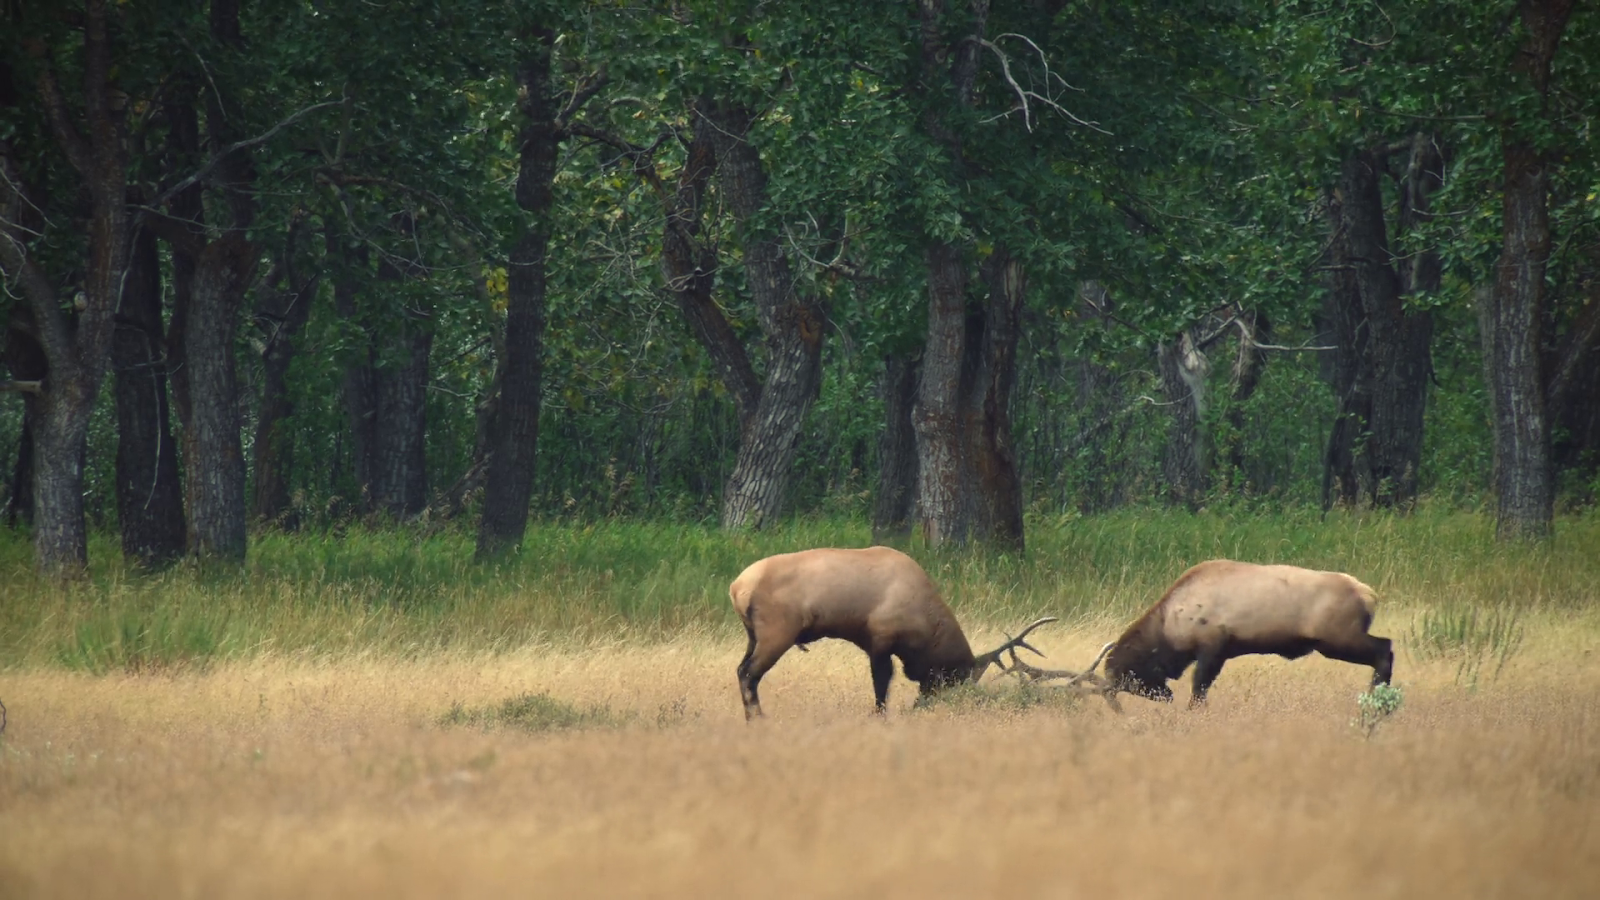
pixel 1207 666
pixel 882 672
pixel 761 657
pixel 1376 652
pixel 1383 660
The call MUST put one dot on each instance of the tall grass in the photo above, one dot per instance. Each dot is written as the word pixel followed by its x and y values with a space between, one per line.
pixel 404 593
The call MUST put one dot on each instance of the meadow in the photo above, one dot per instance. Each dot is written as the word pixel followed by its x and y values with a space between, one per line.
pixel 367 714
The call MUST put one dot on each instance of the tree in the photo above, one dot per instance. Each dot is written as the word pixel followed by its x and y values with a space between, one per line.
pixel 514 430
pixel 1513 311
pixel 149 492
pixel 73 337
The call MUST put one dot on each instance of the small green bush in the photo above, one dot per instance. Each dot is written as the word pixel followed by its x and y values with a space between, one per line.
pixel 1376 706
pixel 532 712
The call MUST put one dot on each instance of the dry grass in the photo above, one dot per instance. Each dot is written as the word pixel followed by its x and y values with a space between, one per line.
pixel 271 777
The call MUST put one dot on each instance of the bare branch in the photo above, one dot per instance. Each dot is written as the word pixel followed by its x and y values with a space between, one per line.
pixel 218 157
pixel 22 387
pixel 1027 96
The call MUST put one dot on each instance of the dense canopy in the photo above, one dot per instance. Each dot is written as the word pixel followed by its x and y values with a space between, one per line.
pixel 282 263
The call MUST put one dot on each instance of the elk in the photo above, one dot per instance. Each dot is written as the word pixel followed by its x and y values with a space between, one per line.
pixel 1221 609
pixel 878 599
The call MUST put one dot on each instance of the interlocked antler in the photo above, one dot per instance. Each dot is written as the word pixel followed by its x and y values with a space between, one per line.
pixel 1033 673
pixel 982 662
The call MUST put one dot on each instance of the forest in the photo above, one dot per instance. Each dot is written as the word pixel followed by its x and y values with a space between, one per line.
pixel 950 267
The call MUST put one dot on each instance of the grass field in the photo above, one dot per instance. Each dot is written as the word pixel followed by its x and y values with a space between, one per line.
pixel 264 759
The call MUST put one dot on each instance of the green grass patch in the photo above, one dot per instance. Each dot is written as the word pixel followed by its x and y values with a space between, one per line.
pixel 407 592
pixel 532 712
pixel 1474 637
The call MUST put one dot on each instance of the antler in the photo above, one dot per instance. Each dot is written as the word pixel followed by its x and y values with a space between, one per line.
pixel 1033 673
pixel 982 662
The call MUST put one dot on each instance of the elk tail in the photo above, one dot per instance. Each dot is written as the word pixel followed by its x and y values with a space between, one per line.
pixel 1369 598
pixel 743 595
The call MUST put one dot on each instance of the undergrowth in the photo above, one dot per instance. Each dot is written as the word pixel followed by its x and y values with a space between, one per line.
pixel 533 712
pixel 1468 635
pixel 407 593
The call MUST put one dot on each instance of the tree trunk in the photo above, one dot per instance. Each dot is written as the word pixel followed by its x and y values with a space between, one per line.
pixel 895 498
pixel 995 486
pixel 401 403
pixel 942 510
pixel 215 472
pixel 793 325
pixel 149 492
pixel 358 383
pixel 515 430
pixel 1185 464
pixel 1513 311
pixel 1344 324
pixel 60 443
pixel 210 280
pixel 281 315
pixel 385 393
pixel 1396 366
pixel 690 269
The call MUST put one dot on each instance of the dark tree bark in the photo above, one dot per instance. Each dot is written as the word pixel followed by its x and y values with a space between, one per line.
pixel 515 430
pixel 149 492
pixel 402 429
pixel 214 474
pixel 992 373
pixel 280 314
pixel 76 345
pixel 1343 325
pixel 385 393
pixel 942 508
pixel 210 277
pixel 1513 311
pixel 356 385
pixel 895 499
pixel 22 355
pixel 1573 392
pixel 1185 463
pixel 1396 363
pixel 793 325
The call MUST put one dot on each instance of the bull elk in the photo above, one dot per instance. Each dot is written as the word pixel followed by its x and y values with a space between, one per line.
pixel 878 599
pixel 1221 609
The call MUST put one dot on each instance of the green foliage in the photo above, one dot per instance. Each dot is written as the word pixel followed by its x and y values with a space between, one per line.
pixel 1469 635
pixel 1376 707
pixel 532 712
